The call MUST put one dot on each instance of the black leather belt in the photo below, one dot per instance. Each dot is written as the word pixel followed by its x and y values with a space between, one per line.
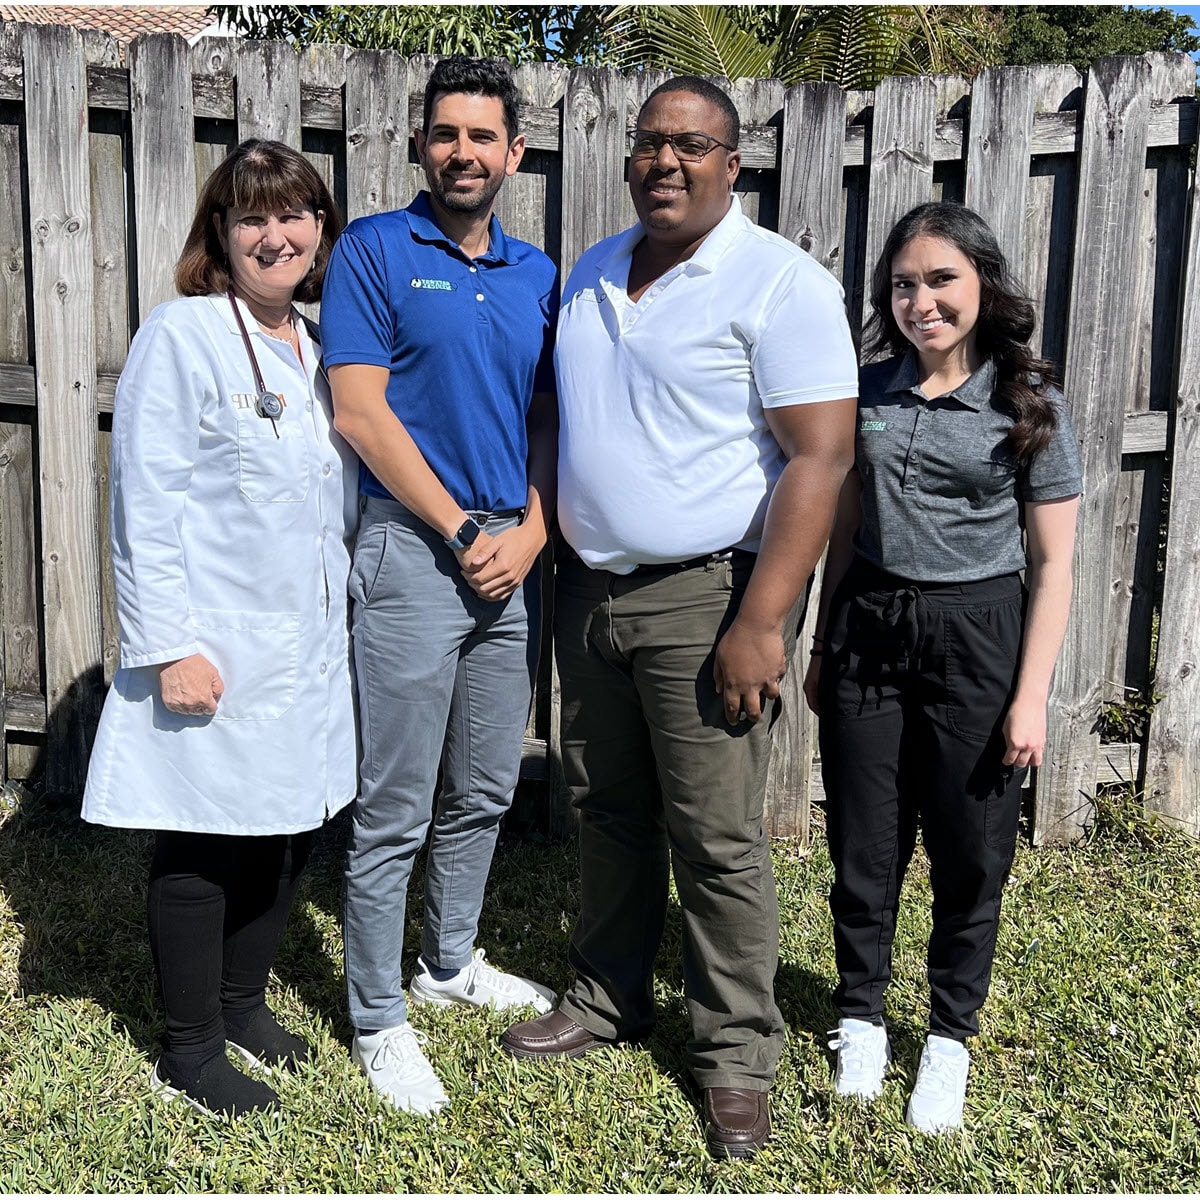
pixel 701 560
pixel 501 514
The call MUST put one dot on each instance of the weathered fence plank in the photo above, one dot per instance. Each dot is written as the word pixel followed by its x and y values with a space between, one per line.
pixel 1001 127
pixel 268 92
pixel 811 207
pixel 59 208
pixel 377 137
pixel 593 160
pixel 901 156
pixel 1098 376
pixel 164 169
pixel 1159 247
pixel 1172 779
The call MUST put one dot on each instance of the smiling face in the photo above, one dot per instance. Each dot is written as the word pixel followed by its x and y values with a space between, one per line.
pixel 466 152
pixel 679 203
pixel 269 253
pixel 935 301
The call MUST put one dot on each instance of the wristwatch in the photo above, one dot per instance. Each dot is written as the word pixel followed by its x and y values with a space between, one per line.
pixel 468 531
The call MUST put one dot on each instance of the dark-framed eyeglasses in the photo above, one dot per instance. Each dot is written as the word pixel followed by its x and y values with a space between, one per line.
pixel 688 147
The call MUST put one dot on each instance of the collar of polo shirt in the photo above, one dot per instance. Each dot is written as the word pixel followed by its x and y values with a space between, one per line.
pixel 975 392
pixel 425 228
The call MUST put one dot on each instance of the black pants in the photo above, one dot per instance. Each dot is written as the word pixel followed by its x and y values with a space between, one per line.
pixel 915 683
pixel 217 909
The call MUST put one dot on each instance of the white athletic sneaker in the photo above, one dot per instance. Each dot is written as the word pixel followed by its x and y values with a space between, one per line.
pixel 936 1104
pixel 398 1070
pixel 863 1056
pixel 480 985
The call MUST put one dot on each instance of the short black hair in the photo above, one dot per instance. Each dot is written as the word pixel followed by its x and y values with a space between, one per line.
pixel 474 77
pixel 706 91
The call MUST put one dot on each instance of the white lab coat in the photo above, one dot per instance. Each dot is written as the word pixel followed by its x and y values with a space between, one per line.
pixel 235 543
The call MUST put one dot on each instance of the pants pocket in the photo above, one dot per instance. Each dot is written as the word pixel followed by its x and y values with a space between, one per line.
pixel 983 646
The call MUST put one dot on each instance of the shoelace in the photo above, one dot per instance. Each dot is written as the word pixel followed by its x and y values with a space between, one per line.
pixel 939 1077
pixel 851 1047
pixel 497 981
pixel 400 1047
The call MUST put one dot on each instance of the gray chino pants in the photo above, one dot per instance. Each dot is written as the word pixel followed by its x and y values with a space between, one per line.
pixel 442 678
pixel 661 781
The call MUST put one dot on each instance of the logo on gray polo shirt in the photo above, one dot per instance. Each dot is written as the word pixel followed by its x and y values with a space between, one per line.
pixel 872 426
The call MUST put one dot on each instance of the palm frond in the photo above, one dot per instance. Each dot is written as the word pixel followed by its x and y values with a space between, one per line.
pixel 688 39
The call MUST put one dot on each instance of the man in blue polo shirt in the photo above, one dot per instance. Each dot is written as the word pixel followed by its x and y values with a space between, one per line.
pixel 437 333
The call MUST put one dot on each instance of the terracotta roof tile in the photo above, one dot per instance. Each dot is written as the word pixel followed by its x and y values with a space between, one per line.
pixel 121 21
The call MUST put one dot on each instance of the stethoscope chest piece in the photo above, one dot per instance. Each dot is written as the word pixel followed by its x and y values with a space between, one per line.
pixel 269 405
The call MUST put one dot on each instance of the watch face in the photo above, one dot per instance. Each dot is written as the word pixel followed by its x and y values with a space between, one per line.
pixel 468 532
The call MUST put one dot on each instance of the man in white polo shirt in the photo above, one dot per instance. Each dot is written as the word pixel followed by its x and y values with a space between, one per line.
pixel 706 383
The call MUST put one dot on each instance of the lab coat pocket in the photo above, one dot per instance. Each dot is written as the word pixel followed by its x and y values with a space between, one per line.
pixel 272 470
pixel 256 654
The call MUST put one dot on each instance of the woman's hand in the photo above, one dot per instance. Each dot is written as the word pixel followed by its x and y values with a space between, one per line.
pixel 1025 733
pixel 812 677
pixel 191 686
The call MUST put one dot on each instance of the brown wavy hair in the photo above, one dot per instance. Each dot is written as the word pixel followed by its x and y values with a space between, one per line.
pixel 1002 332
pixel 263 176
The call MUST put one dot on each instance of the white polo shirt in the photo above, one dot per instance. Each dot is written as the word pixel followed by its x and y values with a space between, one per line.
pixel 664 450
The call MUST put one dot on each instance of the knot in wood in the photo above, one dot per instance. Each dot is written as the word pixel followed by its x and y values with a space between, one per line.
pixel 74 225
pixel 355 137
pixel 61 289
pixel 1186 669
pixel 42 228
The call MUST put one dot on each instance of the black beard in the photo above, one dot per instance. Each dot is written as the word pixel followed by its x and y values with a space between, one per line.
pixel 465 204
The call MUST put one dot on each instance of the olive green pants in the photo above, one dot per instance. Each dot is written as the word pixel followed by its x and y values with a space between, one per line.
pixel 662 781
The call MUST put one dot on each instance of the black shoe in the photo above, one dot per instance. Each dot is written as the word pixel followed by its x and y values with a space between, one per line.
pixel 215 1087
pixel 260 1041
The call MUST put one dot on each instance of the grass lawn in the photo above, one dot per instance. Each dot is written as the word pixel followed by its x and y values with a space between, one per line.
pixel 1086 1076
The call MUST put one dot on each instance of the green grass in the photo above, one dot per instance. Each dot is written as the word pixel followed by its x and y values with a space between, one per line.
pixel 1086 1076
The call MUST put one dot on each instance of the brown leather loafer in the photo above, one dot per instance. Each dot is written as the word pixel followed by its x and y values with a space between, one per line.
pixel 554 1035
pixel 737 1121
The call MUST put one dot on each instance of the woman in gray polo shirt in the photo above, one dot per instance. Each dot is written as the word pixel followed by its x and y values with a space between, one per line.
pixel 932 659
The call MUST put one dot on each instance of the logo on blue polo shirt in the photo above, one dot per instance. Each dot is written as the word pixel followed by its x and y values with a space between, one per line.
pixel 872 426
pixel 432 285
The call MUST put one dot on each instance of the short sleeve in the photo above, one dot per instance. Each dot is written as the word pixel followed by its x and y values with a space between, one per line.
pixel 803 352
pixel 1057 471
pixel 356 319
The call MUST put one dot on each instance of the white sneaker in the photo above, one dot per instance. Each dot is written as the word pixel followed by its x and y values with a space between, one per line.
pixel 398 1070
pixel 863 1056
pixel 936 1104
pixel 479 984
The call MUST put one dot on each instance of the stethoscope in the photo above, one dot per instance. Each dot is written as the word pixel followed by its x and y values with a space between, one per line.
pixel 266 404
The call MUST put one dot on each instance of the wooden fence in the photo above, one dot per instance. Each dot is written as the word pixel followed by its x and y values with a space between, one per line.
pixel 1086 180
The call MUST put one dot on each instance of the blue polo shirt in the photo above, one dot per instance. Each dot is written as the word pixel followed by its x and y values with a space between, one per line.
pixel 467 343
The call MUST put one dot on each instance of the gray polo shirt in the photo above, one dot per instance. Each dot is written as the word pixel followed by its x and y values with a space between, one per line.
pixel 942 493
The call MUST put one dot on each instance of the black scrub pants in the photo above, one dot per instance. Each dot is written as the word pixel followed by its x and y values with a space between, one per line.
pixel 217 909
pixel 915 683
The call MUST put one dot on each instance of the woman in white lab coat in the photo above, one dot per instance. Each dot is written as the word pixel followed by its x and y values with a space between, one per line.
pixel 229 728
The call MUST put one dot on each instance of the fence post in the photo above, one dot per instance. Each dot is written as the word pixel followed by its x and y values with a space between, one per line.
pixel 64 346
pixel 1098 374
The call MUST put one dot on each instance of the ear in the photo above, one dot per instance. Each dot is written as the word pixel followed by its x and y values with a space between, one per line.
pixel 420 142
pixel 516 151
pixel 732 166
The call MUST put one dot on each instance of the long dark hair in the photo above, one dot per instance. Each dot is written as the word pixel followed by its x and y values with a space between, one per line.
pixel 1002 332
pixel 262 175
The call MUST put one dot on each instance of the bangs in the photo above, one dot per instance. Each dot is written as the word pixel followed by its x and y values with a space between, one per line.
pixel 260 183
